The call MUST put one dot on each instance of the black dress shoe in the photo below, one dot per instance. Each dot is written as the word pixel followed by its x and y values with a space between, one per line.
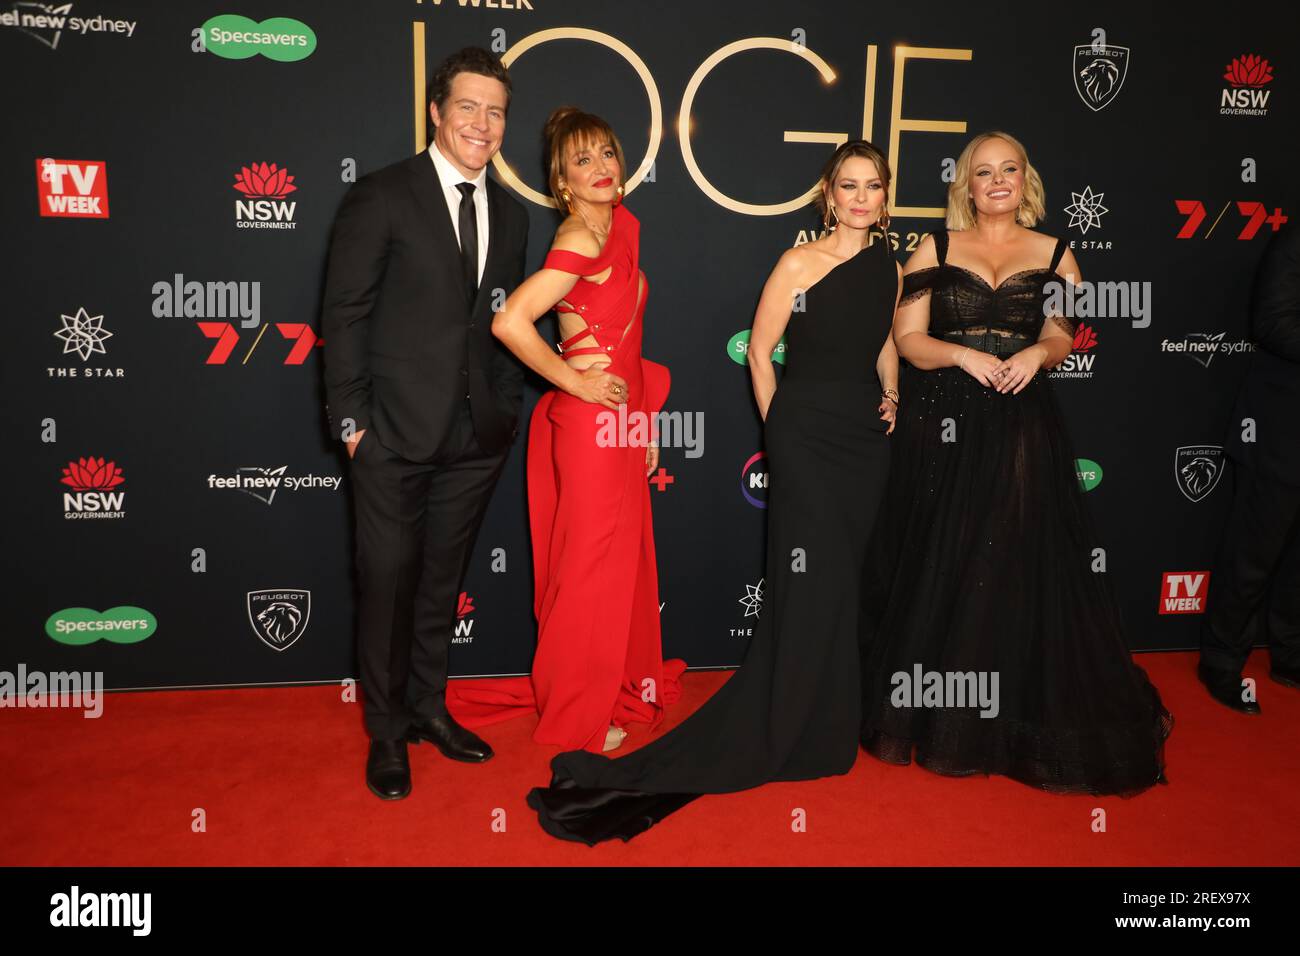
pixel 1288 676
pixel 388 771
pixel 1225 687
pixel 451 738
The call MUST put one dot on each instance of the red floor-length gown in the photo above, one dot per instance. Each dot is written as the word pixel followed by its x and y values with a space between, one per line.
pixel 599 659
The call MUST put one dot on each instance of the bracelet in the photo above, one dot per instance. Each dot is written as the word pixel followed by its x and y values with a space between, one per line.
pixel 962 364
pixel 891 394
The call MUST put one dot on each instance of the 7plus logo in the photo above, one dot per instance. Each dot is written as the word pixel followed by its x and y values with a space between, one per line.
pixel 72 188
pixel 1254 212
pixel 300 333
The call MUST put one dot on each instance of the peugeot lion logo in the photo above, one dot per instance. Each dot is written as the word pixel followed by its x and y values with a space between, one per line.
pixel 279 616
pixel 1198 469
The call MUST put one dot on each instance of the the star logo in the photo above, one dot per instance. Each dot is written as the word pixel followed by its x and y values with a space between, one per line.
pixel 1086 209
pixel 752 602
pixel 83 333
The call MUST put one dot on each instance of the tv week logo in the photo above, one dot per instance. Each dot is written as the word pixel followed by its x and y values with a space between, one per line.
pixel 1183 592
pixel 72 188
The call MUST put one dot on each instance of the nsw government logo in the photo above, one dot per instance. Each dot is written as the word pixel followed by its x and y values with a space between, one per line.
pixel 279 616
pixel 94 483
pixel 1197 469
pixel 1246 93
pixel 1079 363
pixel 1099 71
pixel 464 629
pixel 264 187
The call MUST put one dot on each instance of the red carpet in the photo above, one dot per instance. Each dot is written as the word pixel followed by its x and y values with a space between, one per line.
pixel 279 776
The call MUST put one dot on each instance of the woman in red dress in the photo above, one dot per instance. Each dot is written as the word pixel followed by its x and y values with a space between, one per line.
pixel 599 662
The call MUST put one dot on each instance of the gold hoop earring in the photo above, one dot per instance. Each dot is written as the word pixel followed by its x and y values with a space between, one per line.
pixel 826 220
pixel 884 220
pixel 568 200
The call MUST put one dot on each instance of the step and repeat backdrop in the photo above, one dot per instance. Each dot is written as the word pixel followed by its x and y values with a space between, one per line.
pixel 169 185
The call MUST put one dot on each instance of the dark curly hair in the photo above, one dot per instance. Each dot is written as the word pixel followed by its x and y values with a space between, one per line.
pixel 471 59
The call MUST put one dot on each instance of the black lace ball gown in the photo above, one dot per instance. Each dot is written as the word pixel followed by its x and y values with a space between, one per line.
pixel 983 564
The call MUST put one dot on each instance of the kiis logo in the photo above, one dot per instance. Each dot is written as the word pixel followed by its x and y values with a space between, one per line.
pixel 84 335
pixel 753 480
pixel 464 632
pixel 1078 364
pixel 92 481
pixel 72 188
pixel 1183 592
pixel 1246 75
pixel 47 21
pixel 279 616
pixel 263 184
pixel 233 37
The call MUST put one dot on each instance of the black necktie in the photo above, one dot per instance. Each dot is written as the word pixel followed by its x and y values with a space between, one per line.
pixel 468 239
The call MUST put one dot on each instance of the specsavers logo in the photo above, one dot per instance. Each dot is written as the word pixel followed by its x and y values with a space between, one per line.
pixel 83 625
pixel 237 38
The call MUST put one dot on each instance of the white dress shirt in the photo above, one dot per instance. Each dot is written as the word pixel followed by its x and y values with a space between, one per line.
pixel 451 177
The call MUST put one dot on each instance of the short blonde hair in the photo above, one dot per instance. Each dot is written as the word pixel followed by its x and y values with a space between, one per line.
pixel 567 126
pixel 961 208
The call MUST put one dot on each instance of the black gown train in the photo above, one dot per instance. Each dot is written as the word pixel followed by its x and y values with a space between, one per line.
pixel 982 563
pixel 792 711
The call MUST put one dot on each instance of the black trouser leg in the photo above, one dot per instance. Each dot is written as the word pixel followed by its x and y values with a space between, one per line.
pixel 1261 523
pixel 455 503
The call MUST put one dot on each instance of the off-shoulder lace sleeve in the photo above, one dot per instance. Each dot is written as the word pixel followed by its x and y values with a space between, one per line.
pixel 918 284
pixel 1065 292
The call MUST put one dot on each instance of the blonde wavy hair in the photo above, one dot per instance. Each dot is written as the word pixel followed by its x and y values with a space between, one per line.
pixel 961 208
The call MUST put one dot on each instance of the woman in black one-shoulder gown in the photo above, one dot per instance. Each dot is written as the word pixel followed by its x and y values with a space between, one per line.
pixel 792 711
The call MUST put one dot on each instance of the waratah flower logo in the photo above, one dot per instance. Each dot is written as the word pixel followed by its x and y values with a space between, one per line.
pixel 465 605
pixel 264 181
pixel 1085 337
pixel 1249 70
pixel 92 474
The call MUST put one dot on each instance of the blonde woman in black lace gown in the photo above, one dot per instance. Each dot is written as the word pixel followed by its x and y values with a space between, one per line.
pixel 981 567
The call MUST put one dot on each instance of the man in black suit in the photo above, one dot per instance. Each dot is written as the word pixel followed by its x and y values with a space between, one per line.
pixel 421 254
pixel 1257 575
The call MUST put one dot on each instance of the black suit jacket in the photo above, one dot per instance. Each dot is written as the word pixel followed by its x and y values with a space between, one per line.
pixel 403 343
pixel 1270 393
